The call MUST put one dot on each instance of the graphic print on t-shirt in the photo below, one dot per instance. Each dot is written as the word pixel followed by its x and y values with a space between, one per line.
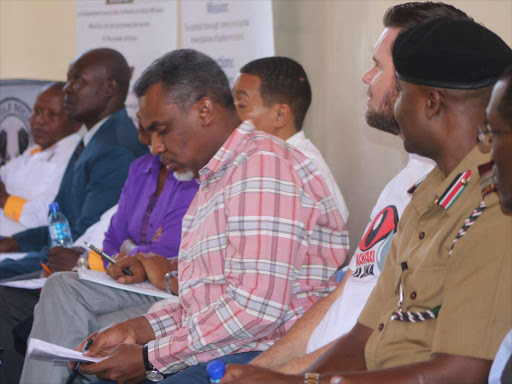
pixel 375 244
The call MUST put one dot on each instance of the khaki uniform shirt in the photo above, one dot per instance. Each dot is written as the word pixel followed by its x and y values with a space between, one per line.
pixel 473 285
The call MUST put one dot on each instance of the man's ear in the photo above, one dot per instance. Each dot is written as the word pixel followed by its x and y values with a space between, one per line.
pixel 110 88
pixel 205 111
pixel 434 103
pixel 283 115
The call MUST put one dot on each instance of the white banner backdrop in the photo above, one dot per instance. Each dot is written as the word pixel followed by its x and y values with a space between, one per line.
pixel 142 30
pixel 233 32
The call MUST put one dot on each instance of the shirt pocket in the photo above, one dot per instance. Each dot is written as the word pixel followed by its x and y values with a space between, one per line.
pixel 423 290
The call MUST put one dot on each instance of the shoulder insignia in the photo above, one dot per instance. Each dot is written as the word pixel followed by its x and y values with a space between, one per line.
pixel 487 178
pixel 455 189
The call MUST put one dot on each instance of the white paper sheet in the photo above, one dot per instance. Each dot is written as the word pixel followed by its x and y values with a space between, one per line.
pixel 26 284
pixel 145 288
pixel 42 349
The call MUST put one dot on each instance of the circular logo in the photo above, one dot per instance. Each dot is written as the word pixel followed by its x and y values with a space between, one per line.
pixel 14 128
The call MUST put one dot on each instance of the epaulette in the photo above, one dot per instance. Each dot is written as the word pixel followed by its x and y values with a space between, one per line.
pixel 452 193
pixel 487 178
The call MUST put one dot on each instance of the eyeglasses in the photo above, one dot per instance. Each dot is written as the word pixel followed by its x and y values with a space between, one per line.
pixel 486 134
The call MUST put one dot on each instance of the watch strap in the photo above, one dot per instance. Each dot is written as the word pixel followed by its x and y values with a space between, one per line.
pixel 311 378
pixel 145 357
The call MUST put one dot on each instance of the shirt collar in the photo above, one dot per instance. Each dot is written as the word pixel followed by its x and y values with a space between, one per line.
pixel 296 139
pixel 91 132
pixel 440 185
pixel 65 141
pixel 152 164
pixel 225 153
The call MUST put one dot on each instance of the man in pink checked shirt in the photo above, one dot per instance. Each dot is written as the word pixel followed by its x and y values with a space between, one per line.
pixel 261 241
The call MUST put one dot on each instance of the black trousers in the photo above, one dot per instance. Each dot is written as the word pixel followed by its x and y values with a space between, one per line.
pixel 16 306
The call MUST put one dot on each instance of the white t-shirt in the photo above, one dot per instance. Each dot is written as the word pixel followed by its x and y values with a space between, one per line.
pixel 308 149
pixel 368 260
pixel 501 359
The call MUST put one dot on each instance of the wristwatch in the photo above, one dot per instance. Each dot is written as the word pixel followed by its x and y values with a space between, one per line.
pixel 168 276
pixel 311 378
pixel 152 373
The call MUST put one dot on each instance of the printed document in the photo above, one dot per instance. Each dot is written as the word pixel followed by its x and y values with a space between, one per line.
pixel 145 288
pixel 40 349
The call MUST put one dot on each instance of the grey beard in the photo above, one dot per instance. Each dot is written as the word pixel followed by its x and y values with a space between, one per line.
pixel 184 176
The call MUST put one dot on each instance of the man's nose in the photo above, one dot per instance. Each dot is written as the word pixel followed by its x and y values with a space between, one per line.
pixel 368 76
pixel 157 145
pixel 40 117
pixel 66 88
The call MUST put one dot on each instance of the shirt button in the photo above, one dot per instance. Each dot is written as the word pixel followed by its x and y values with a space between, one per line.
pixel 422 235
pixel 413 295
pixel 381 327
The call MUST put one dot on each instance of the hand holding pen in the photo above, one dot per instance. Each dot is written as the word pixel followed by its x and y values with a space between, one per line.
pixel 106 257
pixel 74 372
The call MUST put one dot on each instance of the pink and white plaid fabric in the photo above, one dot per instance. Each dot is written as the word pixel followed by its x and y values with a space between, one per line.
pixel 261 243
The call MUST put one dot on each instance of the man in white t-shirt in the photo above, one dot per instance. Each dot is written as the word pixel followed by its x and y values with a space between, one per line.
pixel 274 93
pixel 30 181
pixel 337 313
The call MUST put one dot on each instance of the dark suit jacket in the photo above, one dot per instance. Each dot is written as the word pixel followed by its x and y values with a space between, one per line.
pixel 92 182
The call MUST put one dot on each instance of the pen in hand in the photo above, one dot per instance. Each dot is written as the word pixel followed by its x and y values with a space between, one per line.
pixel 74 373
pixel 106 257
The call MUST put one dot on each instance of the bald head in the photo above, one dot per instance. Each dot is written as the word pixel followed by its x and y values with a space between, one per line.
pixel 97 86
pixel 114 64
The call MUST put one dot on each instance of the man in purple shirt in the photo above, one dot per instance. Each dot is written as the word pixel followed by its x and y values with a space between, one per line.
pixel 155 225
pixel 146 225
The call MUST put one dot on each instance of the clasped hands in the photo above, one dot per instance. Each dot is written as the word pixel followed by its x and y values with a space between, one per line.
pixel 144 266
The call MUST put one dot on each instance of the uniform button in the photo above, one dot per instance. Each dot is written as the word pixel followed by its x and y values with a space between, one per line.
pixel 381 327
pixel 413 295
pixel 422 235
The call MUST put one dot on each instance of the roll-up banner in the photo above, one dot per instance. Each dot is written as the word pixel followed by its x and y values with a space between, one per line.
pixel 231 32
pixel 142 30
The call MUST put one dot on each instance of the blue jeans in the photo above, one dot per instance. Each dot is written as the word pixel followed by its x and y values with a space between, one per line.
pixel 197 374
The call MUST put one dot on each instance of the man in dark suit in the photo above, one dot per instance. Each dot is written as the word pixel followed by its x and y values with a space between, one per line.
pixel 97 86
pixel 95 93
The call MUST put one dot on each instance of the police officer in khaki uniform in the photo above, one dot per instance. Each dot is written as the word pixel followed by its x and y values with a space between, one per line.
pixel 442 303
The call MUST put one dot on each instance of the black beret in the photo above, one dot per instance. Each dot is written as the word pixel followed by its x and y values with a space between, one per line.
pixel 449 53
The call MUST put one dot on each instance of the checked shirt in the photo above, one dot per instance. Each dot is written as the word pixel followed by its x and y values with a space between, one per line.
pixel 261 243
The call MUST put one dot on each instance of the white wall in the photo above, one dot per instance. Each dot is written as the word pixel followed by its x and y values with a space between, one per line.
pixel 332 39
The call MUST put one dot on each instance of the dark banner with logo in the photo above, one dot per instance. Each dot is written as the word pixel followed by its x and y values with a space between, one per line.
pixel 16 100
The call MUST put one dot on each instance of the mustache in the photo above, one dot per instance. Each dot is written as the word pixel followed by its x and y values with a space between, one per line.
pixel 369 92
pixel 163 160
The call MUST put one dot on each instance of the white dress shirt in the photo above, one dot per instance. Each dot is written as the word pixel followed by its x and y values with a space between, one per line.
pixel 309 150
pixel 36 177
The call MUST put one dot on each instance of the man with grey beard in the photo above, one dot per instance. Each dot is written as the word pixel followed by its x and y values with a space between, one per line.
pixel 147 224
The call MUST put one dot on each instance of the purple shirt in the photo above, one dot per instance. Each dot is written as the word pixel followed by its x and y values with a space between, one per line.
pixel 165 217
